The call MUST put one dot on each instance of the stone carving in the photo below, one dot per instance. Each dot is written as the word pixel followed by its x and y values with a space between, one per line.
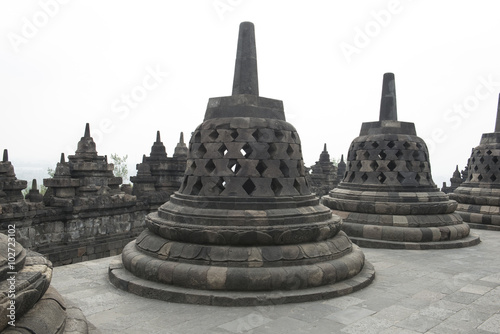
pixel 323 177
pixel 455 182
pixel 478 196
pixel 38 308
pixel 159 176
pixel 244 228
pixel 387 197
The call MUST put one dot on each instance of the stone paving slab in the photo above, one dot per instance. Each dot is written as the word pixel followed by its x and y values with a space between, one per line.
pixel 424 291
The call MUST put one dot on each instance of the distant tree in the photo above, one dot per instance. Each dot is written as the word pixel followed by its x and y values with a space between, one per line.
pixel 51 172
pixel 120 163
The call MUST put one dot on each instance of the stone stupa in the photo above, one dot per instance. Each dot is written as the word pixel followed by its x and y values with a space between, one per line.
pixel 479 196
pixel 387 198
pixel 244 228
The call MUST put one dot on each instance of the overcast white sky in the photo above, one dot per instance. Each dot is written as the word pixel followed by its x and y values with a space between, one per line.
pixel 65 63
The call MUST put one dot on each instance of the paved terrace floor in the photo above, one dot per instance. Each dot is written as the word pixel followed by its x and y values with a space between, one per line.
pixel 415 291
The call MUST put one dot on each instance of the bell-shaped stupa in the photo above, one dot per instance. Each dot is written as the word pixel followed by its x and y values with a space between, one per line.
pixel 479 196
pixel 387 198
pixel 244 228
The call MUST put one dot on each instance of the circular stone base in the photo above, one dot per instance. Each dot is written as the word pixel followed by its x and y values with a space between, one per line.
pixel 470 240
pixel 123 279
pixel 488 227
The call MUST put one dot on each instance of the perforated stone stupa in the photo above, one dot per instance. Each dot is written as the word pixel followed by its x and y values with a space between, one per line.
pixel 387 198
pixel 244 228
pixel 479 196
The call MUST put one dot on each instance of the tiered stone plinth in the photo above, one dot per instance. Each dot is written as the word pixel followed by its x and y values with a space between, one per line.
pixel 479 196
pixel 159 176
pixel 323 174
pixel 244 228
pixel 387 198
pixel 25 279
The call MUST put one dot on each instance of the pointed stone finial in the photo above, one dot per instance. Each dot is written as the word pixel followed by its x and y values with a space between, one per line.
pixel 181 139
pixel 143 158
pixel 497 124
pixel 245 72
pixel 158 139
pixel 324 148
pixel 34 185
pixel 62 158
pixel 342 158
pixel 388 107
pixel 87 131
pixel 5 155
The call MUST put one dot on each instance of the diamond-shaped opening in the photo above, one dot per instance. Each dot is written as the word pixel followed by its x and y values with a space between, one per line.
pixel 197 187
pixel 349 166
pixel 233 165
pixel 300 168
pixel 364 177
pixel 422 166
pixel 374 165
pixel 201 151
pixel 470 177
pixel 390 144
pixel 481 160
pixel 222 150
pixel 381 177
pixel 487 168
pixel 279 135
pixel 478 153
pixel 361 145
pixel 261 167
pixel 406 145
pixel 351 178
pixel 257 134
pixel 359 165
pixel 494 159
pixel 493 178
pixel 375 144
pixel 221 184
pixel 366 154
pixel 272 149
pixel 249 186
pixel 213 135
pixel 476 168
pixel 246 150
pixel 417 178
pixel 419 145
pixel 400 177
pixel 391 165
pixel 276 186
pixel 184 184
pixel 234 134
pixel 416 154
pixel 399 154
pixel 192 167
pixel 479 177
pixel 382 155
pixel 284 169
pixel 197 137
pixel 294 137
pixel 473 160
pixel 489 152
pixel 296 185
pixel 289 150
pixel 210 166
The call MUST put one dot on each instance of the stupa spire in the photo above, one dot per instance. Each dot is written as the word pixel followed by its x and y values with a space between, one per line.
pixel 62 158
pixel 158 139
pixel 245 72
pixel 5 155
pixel 388 106
pixel 497 124
pixel 87 131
